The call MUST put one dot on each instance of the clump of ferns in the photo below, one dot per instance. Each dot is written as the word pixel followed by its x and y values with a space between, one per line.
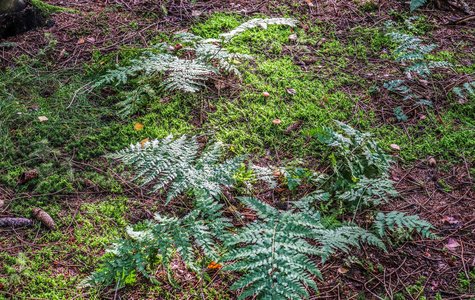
pixel 161 70
pixel 422 83
pixel 277 254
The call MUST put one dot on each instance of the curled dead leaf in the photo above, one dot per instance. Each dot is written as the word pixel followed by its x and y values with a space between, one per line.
pixel 293 37
pixel 395 147
pixel 449 220
pixel 432 162
pixel 291 91
pixel 342 270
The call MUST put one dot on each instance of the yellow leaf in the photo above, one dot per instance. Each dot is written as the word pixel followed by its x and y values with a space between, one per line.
pixel 142 142
pixel 138 126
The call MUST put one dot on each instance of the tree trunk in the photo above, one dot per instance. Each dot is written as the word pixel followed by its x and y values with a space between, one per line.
pixel 18 16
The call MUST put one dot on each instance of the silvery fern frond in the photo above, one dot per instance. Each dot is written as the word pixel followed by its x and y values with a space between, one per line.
pixel 177 163
pixel 253 23
pixel 275 257
pixel 370 191
pixel 465 90
pixel 163 237
pixel 395 220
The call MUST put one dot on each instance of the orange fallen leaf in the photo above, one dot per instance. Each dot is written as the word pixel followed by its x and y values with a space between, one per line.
pixel 81 41
pixel 138 126
pixel 142 142
pixel 214 265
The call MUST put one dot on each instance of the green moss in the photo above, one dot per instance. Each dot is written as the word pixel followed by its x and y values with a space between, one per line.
pixel 48 9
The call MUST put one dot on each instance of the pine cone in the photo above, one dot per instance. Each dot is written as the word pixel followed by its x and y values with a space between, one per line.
pixel 42 216
pixel 16 222
pixel 27 176
pixel 292 127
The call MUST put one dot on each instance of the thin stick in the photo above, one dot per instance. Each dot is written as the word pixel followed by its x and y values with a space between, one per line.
pixel 76 92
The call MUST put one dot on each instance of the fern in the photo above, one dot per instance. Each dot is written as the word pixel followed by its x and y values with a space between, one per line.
pixel 370 191
pixel 176 163
pixel 354 154
pixel 184 75
pixel 415 4
pixel 276 256
pixel 152 241
pixel 174 73
pixel 411 49
pixel 400 115
pixel 398 220
pixel 467 87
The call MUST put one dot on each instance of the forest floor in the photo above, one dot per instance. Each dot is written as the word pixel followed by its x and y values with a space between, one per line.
pixel 337 65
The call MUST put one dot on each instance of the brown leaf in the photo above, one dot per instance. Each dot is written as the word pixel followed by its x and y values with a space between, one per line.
pixel 91 40
pixel 293 37
pixel 342 270
pixel 292 127
pixel 42 216
pixel 449 220
pixel 34 107
pixel 395 147
pixel 27 176
pixel 81 41
pixel 452 244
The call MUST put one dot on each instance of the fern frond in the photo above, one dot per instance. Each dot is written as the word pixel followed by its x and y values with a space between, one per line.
pixel 398 220
pixel 415 4
pixel 161 238
pixel 343 238
pixel 370 191
pixel 176 163
pixel 275 258
pixel 467 87
pixel 253 23
pixel 354 154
